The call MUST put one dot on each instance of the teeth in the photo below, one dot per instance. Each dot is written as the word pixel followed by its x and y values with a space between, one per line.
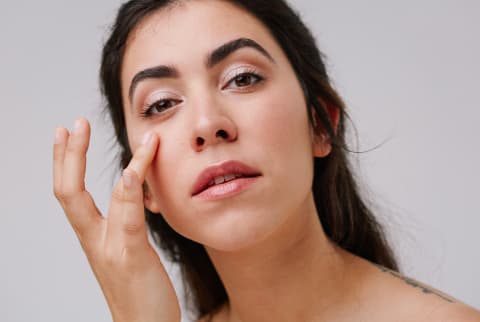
pixel 222 179
pixel 219 180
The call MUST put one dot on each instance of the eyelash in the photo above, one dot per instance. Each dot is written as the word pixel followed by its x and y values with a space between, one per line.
pixel 147 111
pixel 246 73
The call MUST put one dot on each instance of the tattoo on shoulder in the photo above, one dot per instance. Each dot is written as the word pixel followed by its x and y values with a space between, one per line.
pixel 417 284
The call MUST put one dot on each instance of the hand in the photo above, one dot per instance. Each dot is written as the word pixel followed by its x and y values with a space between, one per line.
pixel 129 271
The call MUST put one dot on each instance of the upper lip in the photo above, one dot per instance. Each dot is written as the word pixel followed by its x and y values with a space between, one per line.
pixel 229 167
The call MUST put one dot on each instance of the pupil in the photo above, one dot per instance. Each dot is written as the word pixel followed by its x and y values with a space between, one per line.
pixel 162 105
pixel 243 80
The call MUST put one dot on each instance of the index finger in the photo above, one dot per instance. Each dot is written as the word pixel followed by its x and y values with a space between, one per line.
pixel 144 155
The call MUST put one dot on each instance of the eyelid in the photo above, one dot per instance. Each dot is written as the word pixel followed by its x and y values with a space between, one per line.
pixel 239 70
pixel 160 94
pixel 155 97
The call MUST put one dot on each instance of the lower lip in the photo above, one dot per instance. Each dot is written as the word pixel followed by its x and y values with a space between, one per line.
pixel 226 189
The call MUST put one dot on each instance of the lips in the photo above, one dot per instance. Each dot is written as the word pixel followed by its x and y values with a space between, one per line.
pixel 222 173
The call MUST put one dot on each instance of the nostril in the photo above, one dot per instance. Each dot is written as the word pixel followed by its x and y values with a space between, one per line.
pixel 222 133
pixel 200 141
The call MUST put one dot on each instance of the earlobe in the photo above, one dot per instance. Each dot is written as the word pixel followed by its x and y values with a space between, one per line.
pixel 321 145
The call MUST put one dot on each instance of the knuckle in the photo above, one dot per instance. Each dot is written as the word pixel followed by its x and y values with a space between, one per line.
pixel 132 228
pixel 60 194
pixel 121 195
pixel 63 195
pixel 118 195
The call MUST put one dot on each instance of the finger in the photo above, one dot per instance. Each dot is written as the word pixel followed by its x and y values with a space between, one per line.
pixel 85 219
pixel 70 158
pixel 61 137
pixel 126 224
pixel 144 155
pixel 73 180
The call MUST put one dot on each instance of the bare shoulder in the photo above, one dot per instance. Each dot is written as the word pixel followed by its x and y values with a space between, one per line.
pixel 412 287
pixel 457 312
pixel 426 303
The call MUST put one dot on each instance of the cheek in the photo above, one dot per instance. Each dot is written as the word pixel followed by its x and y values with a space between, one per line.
pixel 135 132
pixel 274 134
pixel 286 141
pixel 283 122
pixel 165 176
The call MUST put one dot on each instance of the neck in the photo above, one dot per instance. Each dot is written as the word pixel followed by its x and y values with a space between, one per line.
pixel 293 275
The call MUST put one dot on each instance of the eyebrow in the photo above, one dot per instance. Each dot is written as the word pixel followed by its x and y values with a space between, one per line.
pixel 230 47
pixel 213 59
pixel 154 72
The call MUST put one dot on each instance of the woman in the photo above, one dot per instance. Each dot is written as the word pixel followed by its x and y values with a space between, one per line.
pixel 232 145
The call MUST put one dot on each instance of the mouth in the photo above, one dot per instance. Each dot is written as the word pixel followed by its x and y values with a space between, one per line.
pixel 224 175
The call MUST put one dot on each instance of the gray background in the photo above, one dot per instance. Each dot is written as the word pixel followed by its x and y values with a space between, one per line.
pixel 408 70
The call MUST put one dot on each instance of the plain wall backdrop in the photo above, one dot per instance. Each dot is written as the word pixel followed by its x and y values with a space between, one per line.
pixel 408 70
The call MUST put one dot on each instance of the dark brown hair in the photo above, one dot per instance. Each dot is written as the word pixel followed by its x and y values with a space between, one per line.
pixel 345 217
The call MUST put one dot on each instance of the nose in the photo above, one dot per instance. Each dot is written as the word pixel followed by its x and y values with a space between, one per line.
pixel 212 126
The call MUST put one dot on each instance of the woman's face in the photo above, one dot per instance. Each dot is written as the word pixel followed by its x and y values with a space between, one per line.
pixel 216 88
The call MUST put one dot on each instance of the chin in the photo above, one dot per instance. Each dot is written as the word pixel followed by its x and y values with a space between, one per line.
pixel 239 224
pixel 235 232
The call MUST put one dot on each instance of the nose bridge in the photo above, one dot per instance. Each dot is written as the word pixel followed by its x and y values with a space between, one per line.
pixel 212 123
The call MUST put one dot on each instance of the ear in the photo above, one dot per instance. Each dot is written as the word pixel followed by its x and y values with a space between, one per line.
pixel 149 201
pixel 321 140
pixel 321 145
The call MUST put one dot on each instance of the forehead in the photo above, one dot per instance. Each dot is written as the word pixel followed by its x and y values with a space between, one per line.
pixel 184 33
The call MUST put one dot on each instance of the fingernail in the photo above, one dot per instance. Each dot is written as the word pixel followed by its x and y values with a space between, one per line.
pixel 127 179
pixel 146 138
pixel 58 136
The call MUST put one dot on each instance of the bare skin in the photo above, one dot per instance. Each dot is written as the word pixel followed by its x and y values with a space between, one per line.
pixel 332 286
pixel 375 294
pixel 266 242
pixel 126 266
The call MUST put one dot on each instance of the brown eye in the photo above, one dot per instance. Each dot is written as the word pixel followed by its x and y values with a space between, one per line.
pixel 160 106
pixel 244 80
